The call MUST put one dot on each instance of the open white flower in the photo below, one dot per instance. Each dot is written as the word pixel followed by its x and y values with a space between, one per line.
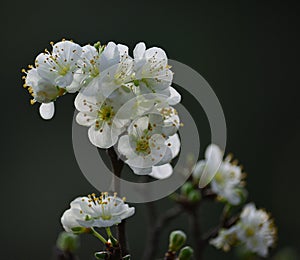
pixel 226 177
pixel 59 66
pixel 102 70
pixel 225 239
pixel 147 149
pixel 256 230
pixel 227 182
pixel 92 211
pixel 42 90
pixel 152 72
pixel 98 113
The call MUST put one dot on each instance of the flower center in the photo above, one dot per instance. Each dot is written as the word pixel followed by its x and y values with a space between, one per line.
pixel 218 178
pixel 106 113
pixel 142 145
pixel 64 70
pixel 106 217
pixel 249 232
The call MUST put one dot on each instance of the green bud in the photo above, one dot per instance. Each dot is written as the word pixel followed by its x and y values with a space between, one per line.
pixel 126 257
pixel 177 240
pixel 67 242
pixel 101 255
pixel 186 253
pixel 187 188
pixel 194 196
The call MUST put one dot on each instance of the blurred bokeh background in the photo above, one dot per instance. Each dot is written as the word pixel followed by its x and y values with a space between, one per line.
pixel 246 50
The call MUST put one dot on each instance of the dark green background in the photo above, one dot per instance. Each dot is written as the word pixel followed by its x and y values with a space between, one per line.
pixel 246 50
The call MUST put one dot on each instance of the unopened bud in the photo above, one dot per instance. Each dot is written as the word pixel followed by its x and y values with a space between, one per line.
pixel 194 196
pixel 177 240
pixel 186 253
pixel 187 188
pixel 67 242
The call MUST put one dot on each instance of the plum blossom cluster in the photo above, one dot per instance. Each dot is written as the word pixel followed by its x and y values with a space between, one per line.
pixel 227 182
pixel 255 231
pixel 91 211
pixel 124 101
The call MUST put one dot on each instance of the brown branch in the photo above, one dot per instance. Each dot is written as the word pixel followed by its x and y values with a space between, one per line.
pixel 196 232
pixel 117 166
pixel 157 228
pixel 215 231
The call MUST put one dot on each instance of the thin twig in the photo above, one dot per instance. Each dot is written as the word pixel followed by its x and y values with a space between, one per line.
pixel 117 166
pixel 215 231
pixel 154 234
pixel 195 229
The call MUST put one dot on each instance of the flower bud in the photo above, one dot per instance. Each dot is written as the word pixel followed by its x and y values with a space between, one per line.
pixel 67 242
pixel 186 253
pixel 187 188
pixel 177 240
pixel 101 255
pixel 194 196
pixel 126 257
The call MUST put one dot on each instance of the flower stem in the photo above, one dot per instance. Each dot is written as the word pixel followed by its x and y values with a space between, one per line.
pixel 97 235
pixel 117 166
pixel 108 232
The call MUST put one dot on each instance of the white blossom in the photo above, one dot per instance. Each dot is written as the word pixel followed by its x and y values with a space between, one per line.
pixel 152 72
pixel 225 239
pixel 102 70
pixel 147 149
pixel 256 230
pixel 59 65
pixel 98 113
pixel 92 211
pixel 227 181
pixel 227 177
pixel 42 90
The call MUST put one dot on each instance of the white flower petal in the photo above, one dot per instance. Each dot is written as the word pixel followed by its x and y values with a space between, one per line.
pixel 214 157
pixel 174 97
pixel 102 137
pixel 86 119
pixel 124 146
pixel 47 110
pixel 162 172
pixel 123 49
pixel 174 142
pixel 109 57
pixel 139 51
